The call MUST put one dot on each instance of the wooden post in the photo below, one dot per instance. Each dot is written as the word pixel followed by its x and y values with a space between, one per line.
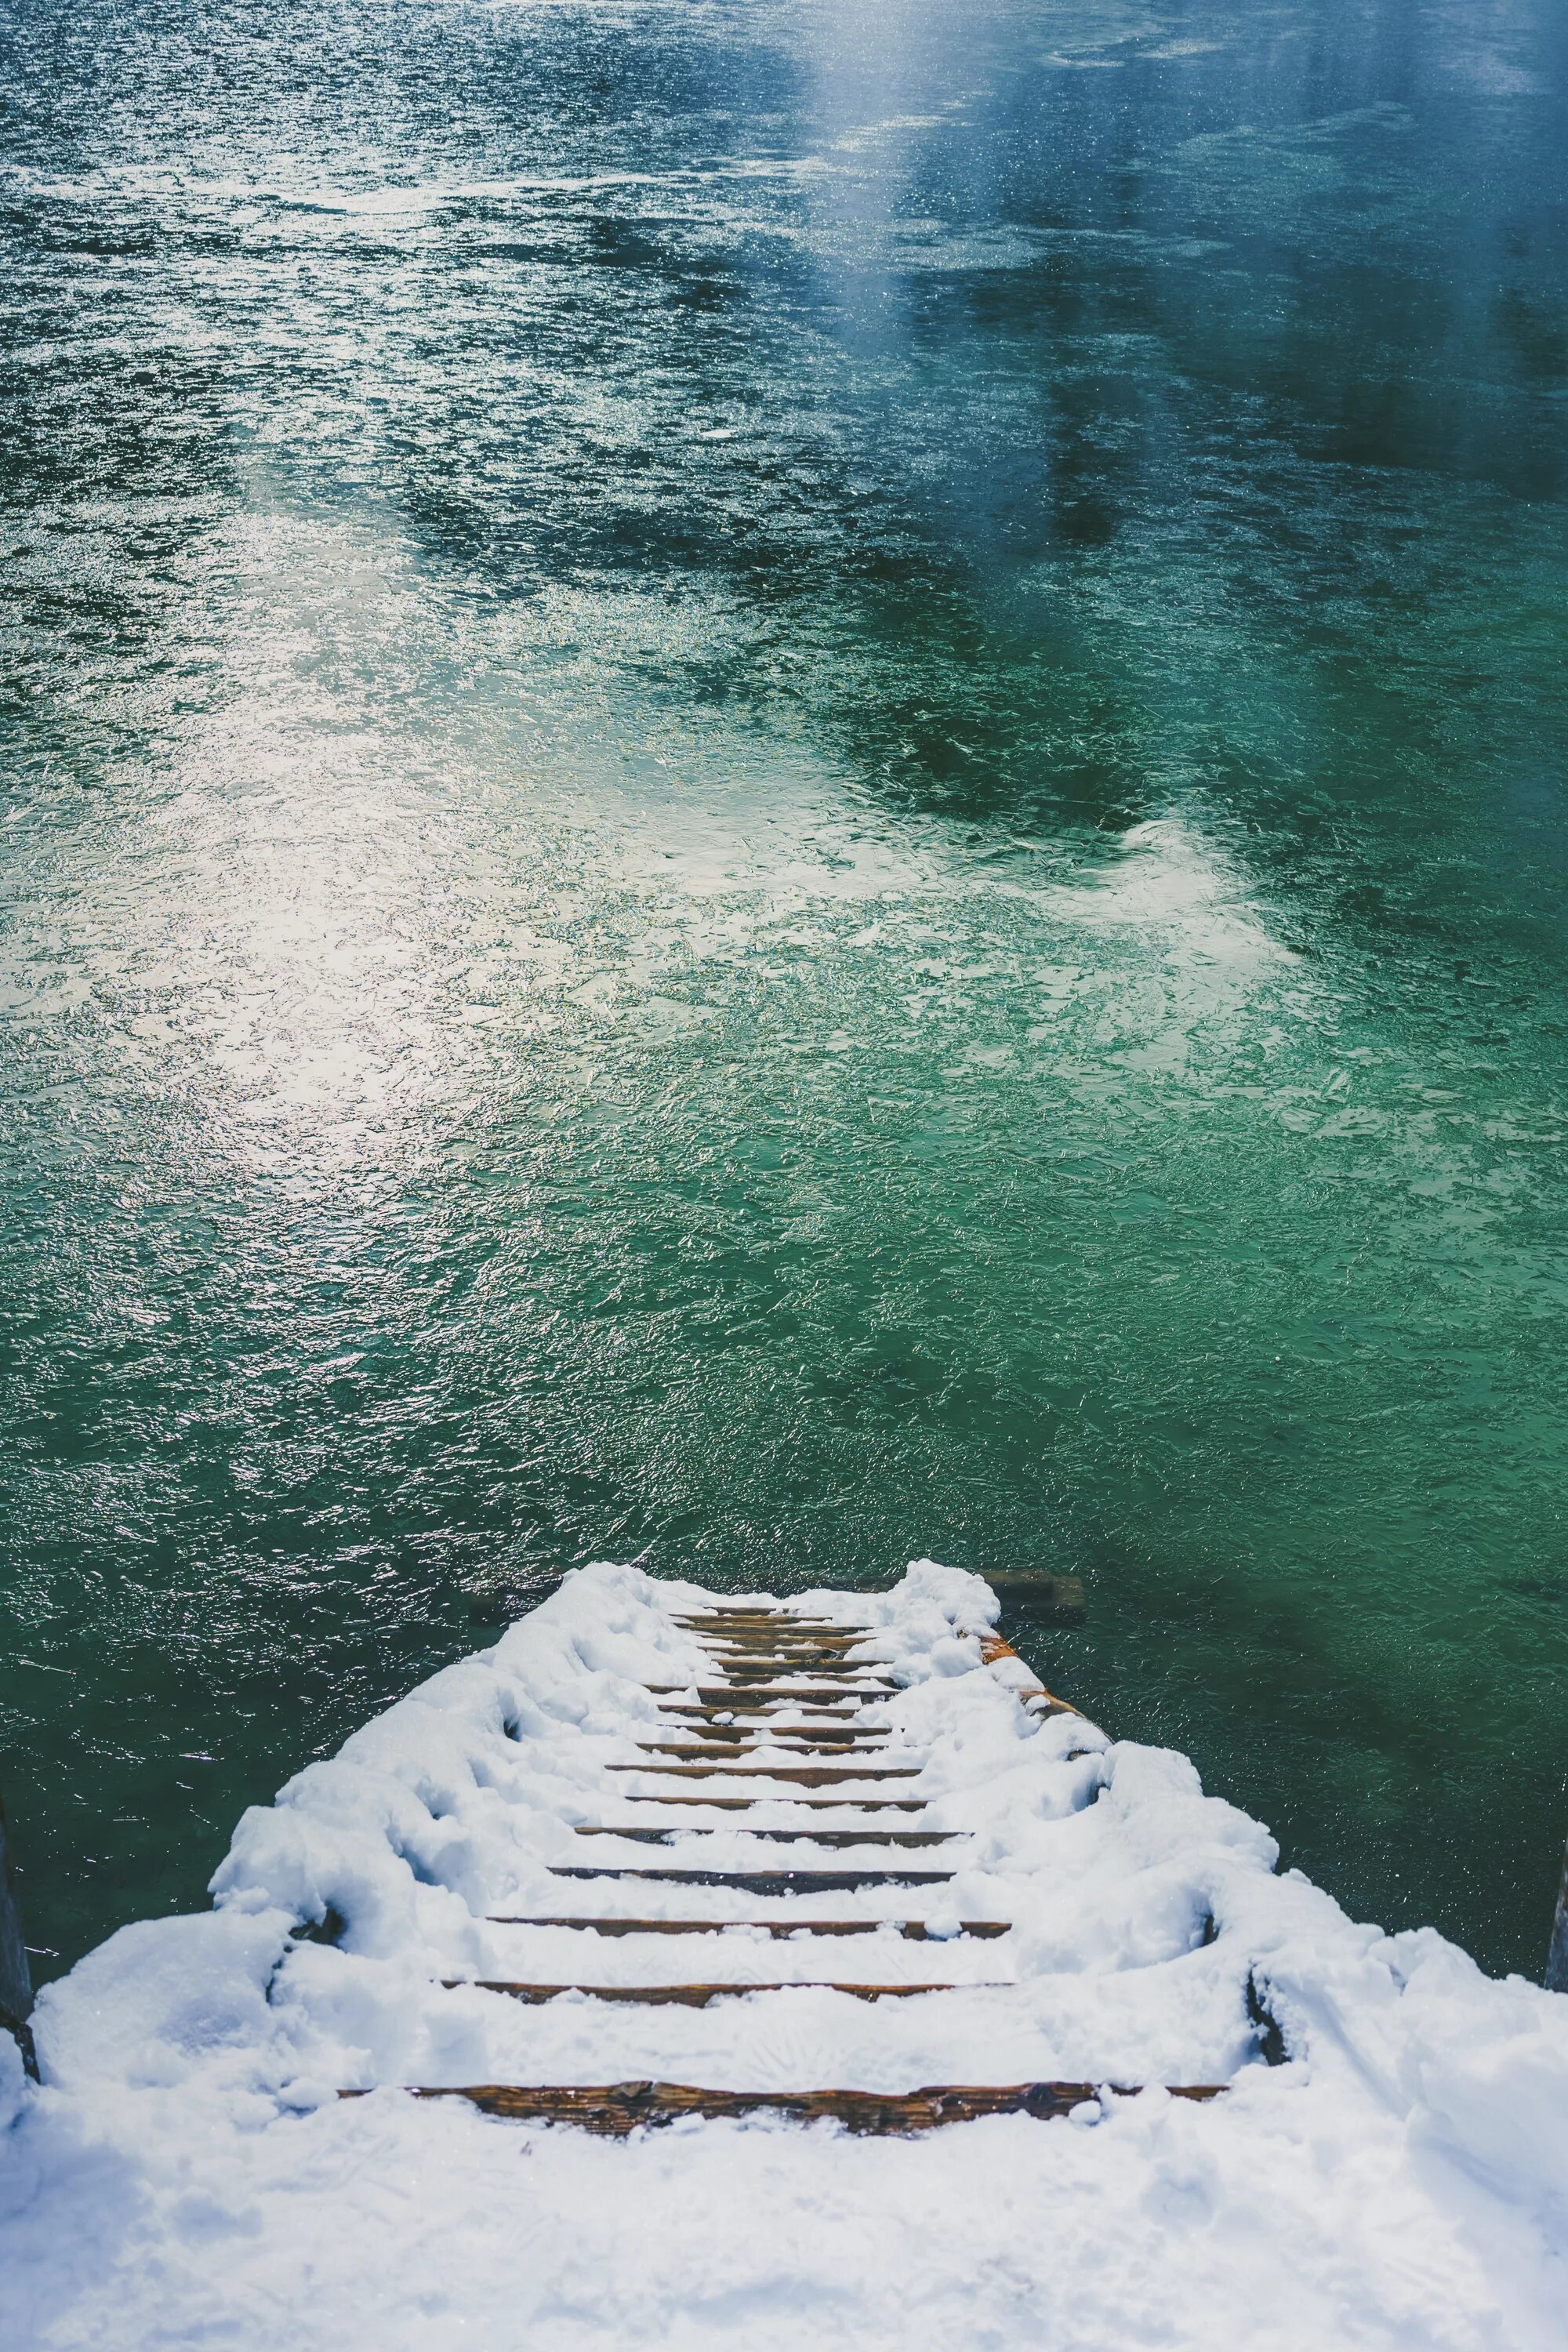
pixel 1046 1600
pixel 15 1983
pixel 1557 1957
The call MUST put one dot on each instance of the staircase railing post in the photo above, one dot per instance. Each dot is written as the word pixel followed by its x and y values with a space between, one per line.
pixel 15 1981
pixel 1557 1956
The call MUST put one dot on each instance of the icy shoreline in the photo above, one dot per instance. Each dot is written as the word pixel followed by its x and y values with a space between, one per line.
pixel 187 2173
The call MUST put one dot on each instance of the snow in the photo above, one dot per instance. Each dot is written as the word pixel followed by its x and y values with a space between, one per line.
pixel 187 2175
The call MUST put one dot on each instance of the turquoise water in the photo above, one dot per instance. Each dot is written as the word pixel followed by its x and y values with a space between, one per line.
pixel 785 785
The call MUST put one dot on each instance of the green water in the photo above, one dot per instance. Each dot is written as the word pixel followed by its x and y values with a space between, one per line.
pixel 785 785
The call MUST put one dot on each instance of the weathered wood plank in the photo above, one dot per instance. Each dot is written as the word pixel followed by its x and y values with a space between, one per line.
pixel 746 1679
pixel 781 1645
pixel 913 1931
pixel 806 1804
pixel 782 1637
pixel 748 1656
pixel 845 1735
pixel 782 1735
pixel 725 1711
pixel 833 1663
pixel 754 1748
pixel 690 1996
pixel 760 1881
pixel 714 1728
pixel 840 1735
pixel 836 1838
pixel 617 2108
pixel 738 1648
pixel 781 1629
pixel 716 1734
pixel 794 1693
pixel 810 1776
pixel 775 1621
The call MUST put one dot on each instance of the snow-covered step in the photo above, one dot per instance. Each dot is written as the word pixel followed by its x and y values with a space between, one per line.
pixel 660 1834
pixel 759 1882
pixel 776 1714
pixel 619 1924
pixel 747 1669
pixel 656 1953
pixel 807 1776
pixel 711 1722
pixel 792 1694
pixel 737 1748
pixel 1009 2032
pixel 726 1727
pixel 805 1804
pixel 692 1996
pixel 853 1736
pixel 618 2108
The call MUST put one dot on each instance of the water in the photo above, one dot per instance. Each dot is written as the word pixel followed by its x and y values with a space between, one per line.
pixel 784 785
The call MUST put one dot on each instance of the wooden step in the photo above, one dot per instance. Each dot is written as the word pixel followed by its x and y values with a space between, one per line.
pixel 650 1836
pixel 832 1662
pixel 826 1738
pixel 780 1637
pixel 741 1685
pixel 669 1748
pixel 773 1604
pixel 702 1722
pixel 765 1628
pixel 1049 1599
pixel 726 1710
pixel 807 1804
pixel 723 1754
pixel 744 1689
pixel 723 1759
pixel 690 1996
pixel 714 1728
pixel 616 2108
pixel 777 1745
pixel 913 1931
pixel 762 1627
pixel 726 1734
pixel 832 1665
pixel 770 1610
pixel 788 1739
pixel 789 1750
pixel 714 1722
pixel 784 1735
pixel 754 1621
pixel 782 1644
pixel 806 1776
pixel 789 1747
pixel 764 1735
pixel 788 1631
pixel 835 1655
pixel 739 1692
pixel 760 1881
pixel 839 1692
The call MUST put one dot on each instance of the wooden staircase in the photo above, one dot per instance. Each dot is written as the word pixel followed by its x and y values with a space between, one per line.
pixel 779 1718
